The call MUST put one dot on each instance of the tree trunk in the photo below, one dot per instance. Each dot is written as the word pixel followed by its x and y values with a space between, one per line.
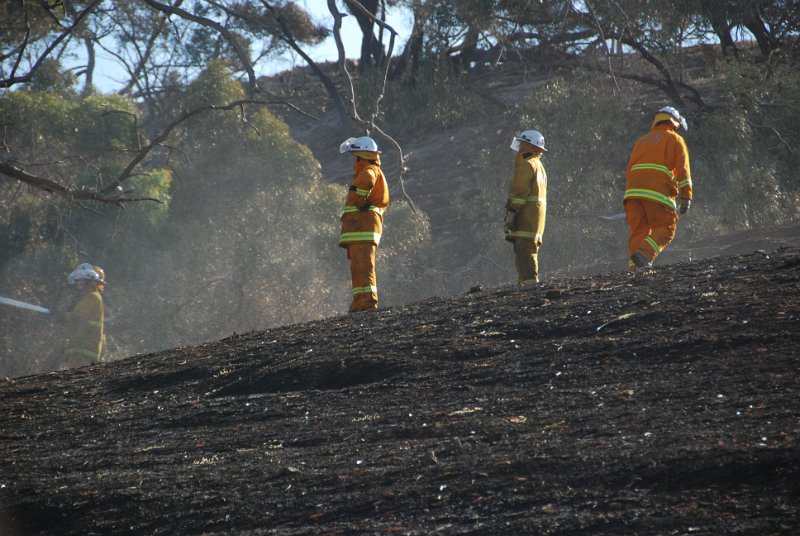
pixel 88 80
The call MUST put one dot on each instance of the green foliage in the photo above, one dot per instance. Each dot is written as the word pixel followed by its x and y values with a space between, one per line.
pixel 153 184
pixel 90 138
pixel 213 86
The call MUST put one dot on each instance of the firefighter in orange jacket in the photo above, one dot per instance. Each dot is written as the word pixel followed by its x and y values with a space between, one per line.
pixel 526 206
pixel 658 172
pixel 85 337
pixel 362 220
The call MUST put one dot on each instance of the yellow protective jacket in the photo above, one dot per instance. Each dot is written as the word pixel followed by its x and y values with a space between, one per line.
pixel 527 196
pixel 658 169
pixel 84 327
pixel 367 199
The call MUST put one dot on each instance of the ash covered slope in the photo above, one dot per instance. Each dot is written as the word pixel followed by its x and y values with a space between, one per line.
pixel 661 403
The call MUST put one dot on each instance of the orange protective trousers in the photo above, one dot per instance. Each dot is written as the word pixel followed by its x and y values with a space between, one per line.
pixel 652 226
pixel 362 270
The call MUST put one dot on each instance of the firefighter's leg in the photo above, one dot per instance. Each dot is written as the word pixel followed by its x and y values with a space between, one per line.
pixel 362 271
pixel 663 222
pixel 370 294
pixel 636 216
pixel 526 259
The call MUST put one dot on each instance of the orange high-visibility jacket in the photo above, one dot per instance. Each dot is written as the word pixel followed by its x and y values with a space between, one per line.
pixel 527 196
pixel 659 167
pixel 84 327
pixel 367 199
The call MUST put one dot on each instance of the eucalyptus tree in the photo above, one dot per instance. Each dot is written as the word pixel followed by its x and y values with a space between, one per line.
pixel 157 47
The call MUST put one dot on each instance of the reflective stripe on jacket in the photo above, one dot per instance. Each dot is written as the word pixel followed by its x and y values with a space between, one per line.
pixel 369 188
pixel 84 327
pixel 527 196
pixel 658 169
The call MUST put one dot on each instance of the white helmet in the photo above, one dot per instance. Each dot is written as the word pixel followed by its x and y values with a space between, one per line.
pixel 84 271
pixel 362 144
pixel 675 114
pixel 534 137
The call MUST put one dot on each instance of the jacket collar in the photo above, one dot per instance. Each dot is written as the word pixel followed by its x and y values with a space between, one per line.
pixel 361 165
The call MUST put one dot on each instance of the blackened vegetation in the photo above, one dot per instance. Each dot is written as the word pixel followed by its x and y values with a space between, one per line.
pixel 657 403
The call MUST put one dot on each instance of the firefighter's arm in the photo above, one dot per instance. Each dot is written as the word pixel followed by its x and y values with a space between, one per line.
pixel 683 172
pixel 520 189
pixel 362 186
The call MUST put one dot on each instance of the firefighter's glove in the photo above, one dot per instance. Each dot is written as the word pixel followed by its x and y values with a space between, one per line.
pixel 686 204
pixel 510 221
pixel 364 207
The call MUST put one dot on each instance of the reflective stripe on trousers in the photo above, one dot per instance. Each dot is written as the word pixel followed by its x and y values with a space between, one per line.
pixel 349 238
pixel 527 235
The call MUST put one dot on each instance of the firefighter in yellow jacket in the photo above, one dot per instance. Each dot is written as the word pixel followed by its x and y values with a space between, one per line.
pixel 527 205
pixel 658 172
pixel 362 219
pixel 84 337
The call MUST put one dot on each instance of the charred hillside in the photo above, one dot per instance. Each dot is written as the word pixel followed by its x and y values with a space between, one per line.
pixel 656 403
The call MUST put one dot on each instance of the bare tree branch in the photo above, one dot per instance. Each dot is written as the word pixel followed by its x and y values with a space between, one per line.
pixel 243 55
pixel 605 45
pixel 13 79
pixel 145 56
pixel 669 86
pixel 37 182
pixel 354 115
pixel 21 49
pixel 333 91
pixel 777 134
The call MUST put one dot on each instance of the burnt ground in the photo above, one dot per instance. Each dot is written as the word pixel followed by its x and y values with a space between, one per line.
pixel 651 403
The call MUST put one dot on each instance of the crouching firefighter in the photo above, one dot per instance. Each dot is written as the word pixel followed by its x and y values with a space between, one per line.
pixel 85 336
pixel 526 206
pixel 362 219
pixel 658 171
